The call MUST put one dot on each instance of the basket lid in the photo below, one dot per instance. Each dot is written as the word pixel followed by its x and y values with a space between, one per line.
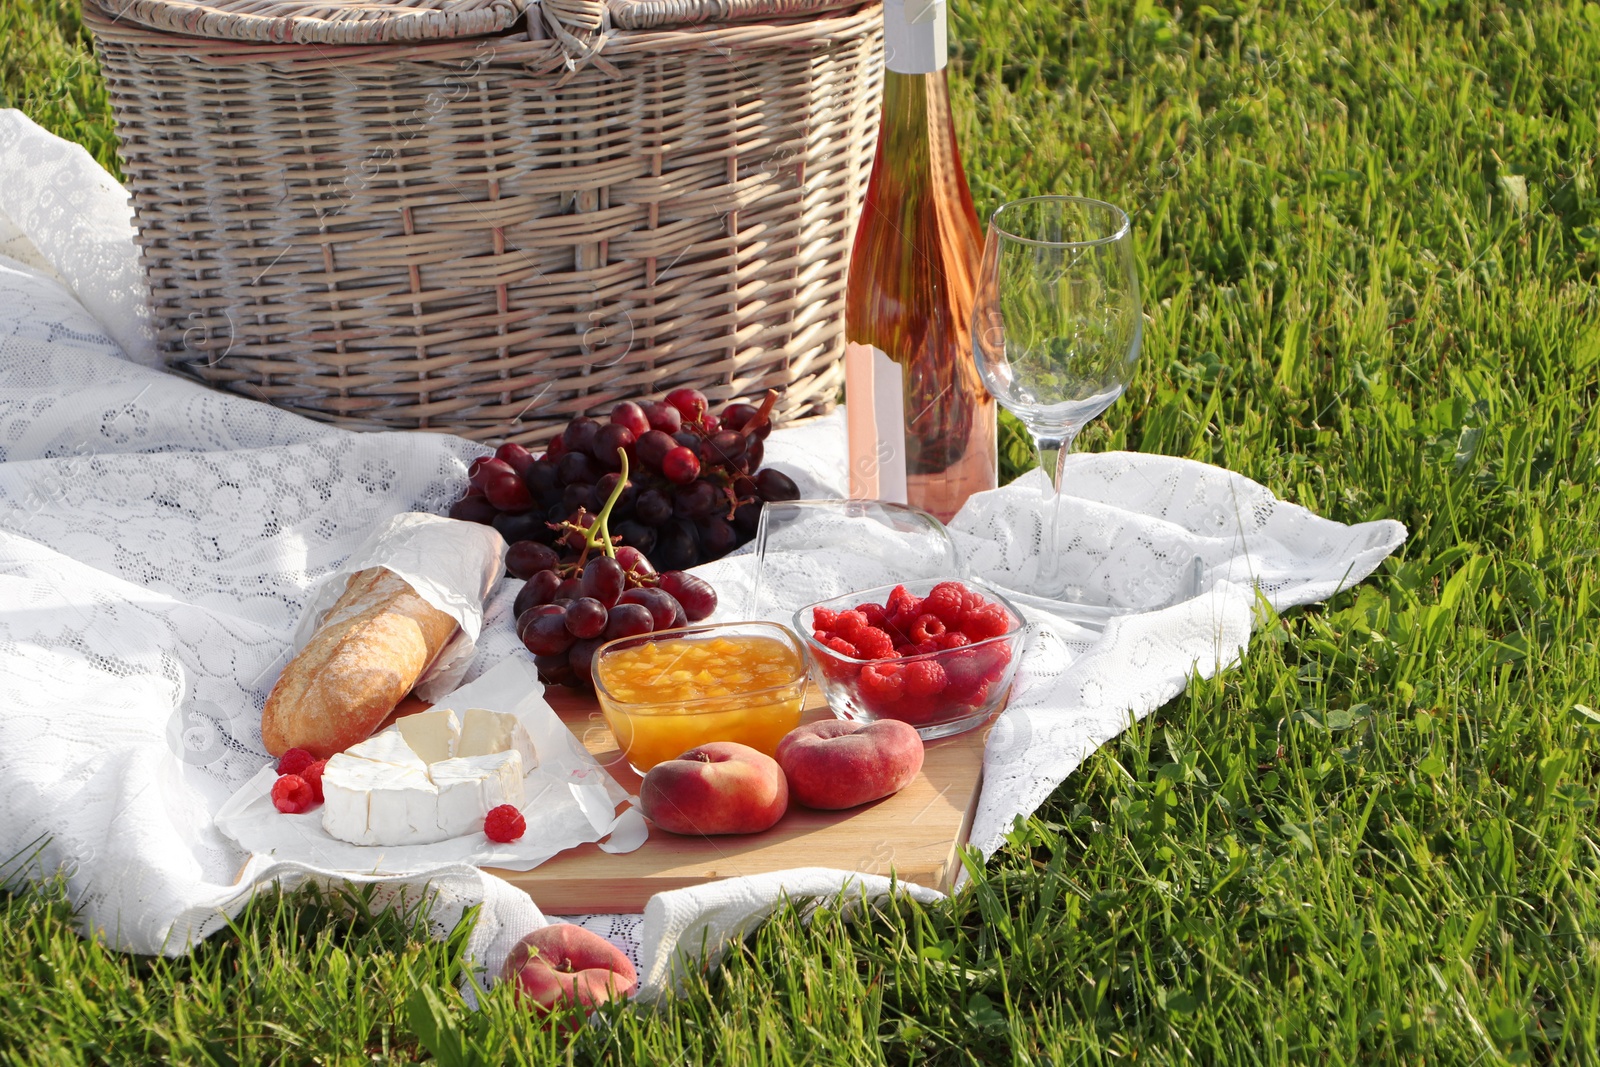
pixel 334 22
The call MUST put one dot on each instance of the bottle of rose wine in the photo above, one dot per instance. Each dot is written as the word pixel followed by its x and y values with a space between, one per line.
pixel 922 427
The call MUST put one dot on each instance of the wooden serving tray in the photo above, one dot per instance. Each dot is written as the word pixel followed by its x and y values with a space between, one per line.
pixel 914 834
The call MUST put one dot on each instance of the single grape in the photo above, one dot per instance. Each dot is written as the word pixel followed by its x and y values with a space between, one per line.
pixel 580 434
pixel 606 444
pixel 569 589
pixel 774 485
pixel 680 465
pixel 580 657
pixel 478 509
pixel 710 424
pixel 696 501
pixel 664 607
pixel 507 491
pixel 586 617
pixel 688 439
pixel 542 478
pixel 629 620
pixel 634 561
pixel 717 537
pixel 632 416
pixel 677 546
pixel 636 537
pixel 663 417
pixel 747 518
pixel 726 448
pixel 754 453
pixel 576 468
pixel 625 499
pixel 555 449
pixel 521 526
pixel 693 592
pixel 652 448
pixel 577 496
pixel 691 403
pixel 540 588
pixel 554 670
pixel 475 472
pixel 543 630
pixel 603 580
pixel 735 415
pixel 517 457
pixel 653 507
pixel 524 559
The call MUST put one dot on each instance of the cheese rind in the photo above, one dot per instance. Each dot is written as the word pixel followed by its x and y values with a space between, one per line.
pixel 484 732
pixel 432 735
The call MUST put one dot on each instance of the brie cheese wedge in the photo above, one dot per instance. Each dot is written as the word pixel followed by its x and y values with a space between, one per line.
pixel 469 786
pixel 483 732
pixel 433 735
pixel 388 747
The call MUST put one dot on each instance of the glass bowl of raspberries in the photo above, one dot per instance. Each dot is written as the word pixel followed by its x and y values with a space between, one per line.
pixel 938 654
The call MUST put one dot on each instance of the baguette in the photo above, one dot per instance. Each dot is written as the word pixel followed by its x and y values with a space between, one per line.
pixel 362 661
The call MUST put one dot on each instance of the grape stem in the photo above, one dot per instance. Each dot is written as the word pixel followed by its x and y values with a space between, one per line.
pixel 600 527
pixel 763 413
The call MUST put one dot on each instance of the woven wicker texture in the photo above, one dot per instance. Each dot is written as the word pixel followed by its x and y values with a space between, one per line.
pixel 321 21
pixel 490 237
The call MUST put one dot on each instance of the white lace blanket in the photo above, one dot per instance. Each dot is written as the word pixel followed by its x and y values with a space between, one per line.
pixel 157 541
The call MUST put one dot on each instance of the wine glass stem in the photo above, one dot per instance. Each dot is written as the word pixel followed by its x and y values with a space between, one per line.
pixel 1052 457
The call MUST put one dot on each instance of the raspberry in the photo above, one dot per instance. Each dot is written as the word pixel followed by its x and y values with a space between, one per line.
pixel 849 624
pixel 948 601
pixel 843 647
pixel 902 608
pixel 291 795
pixel 905 649
pixel 294 761
pixel 876 616
pixel 965 671
pixel 881 684
pixel 924 679
pixel 926 628
pixel 504 824
pixel 824 619
pixel 928 646
pixel 313 778
pixel 988 621
pixel 953 639
pixel 873 643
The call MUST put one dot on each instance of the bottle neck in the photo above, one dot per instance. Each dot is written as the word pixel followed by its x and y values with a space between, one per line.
pixel 914 36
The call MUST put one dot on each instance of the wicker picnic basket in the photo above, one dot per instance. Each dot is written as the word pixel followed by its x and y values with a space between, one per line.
pixel 483 218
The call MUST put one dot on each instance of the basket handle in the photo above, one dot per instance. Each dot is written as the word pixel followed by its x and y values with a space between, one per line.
pixel 581 28
pixel 653 14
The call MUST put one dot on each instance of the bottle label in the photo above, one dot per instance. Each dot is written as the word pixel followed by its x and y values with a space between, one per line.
pixel 914 36
pixel 875 405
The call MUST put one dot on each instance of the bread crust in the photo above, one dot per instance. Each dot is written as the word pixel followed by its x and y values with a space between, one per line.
pixel 364 658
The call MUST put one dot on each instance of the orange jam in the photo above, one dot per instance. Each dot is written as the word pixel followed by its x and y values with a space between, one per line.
pixel 662 698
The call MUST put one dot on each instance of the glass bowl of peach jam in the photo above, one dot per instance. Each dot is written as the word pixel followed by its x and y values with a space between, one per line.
pixel 667 692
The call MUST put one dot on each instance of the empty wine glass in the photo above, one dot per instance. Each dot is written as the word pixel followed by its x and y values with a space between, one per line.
pixel 1056 328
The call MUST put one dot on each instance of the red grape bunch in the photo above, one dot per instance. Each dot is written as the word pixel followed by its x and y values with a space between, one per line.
pixel 568 608
pixel 694 494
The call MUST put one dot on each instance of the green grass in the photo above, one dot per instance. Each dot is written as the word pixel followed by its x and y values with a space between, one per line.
pixel 1369 237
